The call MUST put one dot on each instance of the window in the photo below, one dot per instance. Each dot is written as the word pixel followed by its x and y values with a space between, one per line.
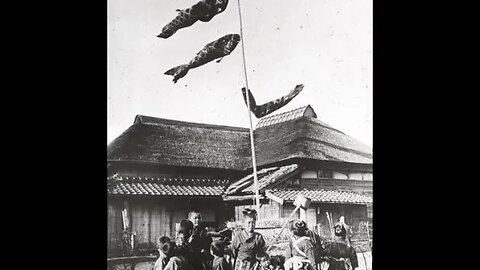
pixel 324 174
pixel 293 183
pixel 309 174
pixel 355 176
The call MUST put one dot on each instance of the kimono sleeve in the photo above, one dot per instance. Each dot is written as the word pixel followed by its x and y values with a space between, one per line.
pixel 172 265
pixel 353 257
pixel 225 266
pixel 260 243
pixel 288 251
pixel 235 244
pixel 158 264
pixel 309 251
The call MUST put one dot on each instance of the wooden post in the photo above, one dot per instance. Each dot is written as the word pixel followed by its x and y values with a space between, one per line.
pixel 330 223
pixel 368 236
pixel 126 215
pixel 303 215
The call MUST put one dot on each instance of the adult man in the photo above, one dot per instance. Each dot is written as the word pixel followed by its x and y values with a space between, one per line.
pixel 199 242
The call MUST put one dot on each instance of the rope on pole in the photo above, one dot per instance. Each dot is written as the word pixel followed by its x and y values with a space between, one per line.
pixel 254 162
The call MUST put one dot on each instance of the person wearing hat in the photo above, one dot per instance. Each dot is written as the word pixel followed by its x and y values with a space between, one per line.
pixel 300 250
pixel 340 255
pixel 247 244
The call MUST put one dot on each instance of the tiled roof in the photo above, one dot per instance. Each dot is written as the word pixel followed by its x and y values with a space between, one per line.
pixel 282 117
pixel 266 177
pixel 320 195
pixel 166 186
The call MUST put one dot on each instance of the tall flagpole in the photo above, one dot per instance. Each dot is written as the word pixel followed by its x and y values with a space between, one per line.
pixel 257 196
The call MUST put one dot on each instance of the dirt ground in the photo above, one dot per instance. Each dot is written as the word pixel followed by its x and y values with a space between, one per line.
pixel 362 258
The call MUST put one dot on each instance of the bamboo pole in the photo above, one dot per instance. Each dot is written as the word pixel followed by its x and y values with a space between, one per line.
pixel 254 162
pixel 283 227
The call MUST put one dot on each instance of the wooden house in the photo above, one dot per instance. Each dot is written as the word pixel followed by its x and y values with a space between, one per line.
pixel 159 169
pixel 298 154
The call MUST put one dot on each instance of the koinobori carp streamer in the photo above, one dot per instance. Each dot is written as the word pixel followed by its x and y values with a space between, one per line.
pixel 213 50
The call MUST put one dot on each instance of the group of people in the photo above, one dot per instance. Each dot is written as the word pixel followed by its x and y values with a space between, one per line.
pixel 194 248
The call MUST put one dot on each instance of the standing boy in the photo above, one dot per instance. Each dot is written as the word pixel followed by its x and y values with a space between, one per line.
pixel 247 243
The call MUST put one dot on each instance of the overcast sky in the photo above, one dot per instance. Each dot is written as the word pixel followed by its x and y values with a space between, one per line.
pixel 324 44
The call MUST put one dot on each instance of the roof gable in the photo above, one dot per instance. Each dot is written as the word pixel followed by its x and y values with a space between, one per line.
pixel 306 111
pixel 267 178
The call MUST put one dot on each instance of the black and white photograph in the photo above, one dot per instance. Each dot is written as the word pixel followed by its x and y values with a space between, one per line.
pixel 240 135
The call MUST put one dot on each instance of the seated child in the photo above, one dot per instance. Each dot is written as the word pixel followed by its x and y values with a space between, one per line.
pixel 264 261
pixel 217 249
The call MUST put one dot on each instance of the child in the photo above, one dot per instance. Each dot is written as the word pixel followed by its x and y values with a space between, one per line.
pixel 199 242
pixel 300 251
pixel 341 255
pixel 263 261
pixel 181 241
pixel 217 249
pixel 247 243
pixel 161 261
pixel 174 258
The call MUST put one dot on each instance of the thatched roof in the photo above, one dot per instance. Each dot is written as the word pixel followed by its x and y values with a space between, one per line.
pixel 177 143
pixel 309 138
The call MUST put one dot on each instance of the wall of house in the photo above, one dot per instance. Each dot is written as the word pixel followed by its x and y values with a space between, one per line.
pixel 315 216
pixel 268 210
pixel 151 218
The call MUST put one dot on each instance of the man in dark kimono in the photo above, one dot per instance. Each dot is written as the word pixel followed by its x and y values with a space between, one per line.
pixel 341 256
pixel 199 243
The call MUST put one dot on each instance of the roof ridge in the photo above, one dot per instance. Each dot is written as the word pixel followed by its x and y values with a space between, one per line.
pixel 155 121
pixel 286 116
pixel 278 114
pixel 321 195
pixel 142 179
